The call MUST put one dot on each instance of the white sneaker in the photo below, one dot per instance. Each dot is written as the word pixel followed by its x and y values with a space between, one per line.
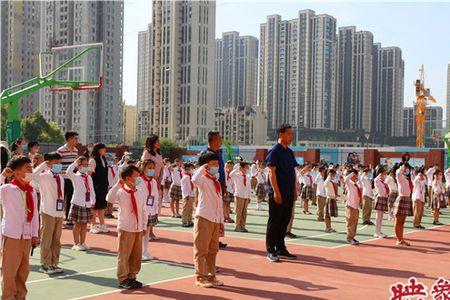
pixel 103 228
pixel 146 257
pixel 85 247
pixel 382 235
pixel 78 247
pixel 95 229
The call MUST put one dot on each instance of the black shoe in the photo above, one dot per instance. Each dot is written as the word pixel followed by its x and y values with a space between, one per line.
pixel 69 224
pixel 286 255
pixel 370 223
pixel 421 227
pixel 272 257
pixel 437 223
pixel 291 235
pixel 222 245
pixel 191 224
pixel 126 284
pixel 417 227
pixel 135 284
pixel 185 225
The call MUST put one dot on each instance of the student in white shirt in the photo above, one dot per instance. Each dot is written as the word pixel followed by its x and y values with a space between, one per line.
pixel 242 193
pixel 314 172
pixel 352 202
pixel 418 198
pixel 188 192
pixel 321 196
pixel 403 203
pixel 208 224
pixel 147 183
pixel 83 199
pixel 365 182
pixel 447 185
pixel 228 196
pixel 113 177
pixel 131 224
pixel 429 174
pixel 253 169
pixel 51 184
pixel 19 227
pixel 261 186
pixel 175 189
pixel 307 189
pixel 166 180
pixel 393 193
pixel 381 201
pixel 438 200
pixel 331 192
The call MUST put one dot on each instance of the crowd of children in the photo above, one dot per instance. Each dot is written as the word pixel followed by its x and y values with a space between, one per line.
pixel 60 185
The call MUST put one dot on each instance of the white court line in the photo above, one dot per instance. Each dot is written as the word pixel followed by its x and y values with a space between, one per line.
pixel 150 283
pixel 70 275
pixel 392 235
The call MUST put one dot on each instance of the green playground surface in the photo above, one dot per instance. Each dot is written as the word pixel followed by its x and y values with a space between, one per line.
pixel 309 230
pixel 93 273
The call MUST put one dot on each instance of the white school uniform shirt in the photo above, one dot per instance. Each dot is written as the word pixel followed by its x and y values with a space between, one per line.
pixel 329 189
pixel 381 188
pixel 314 174
pixel 429 173
pixel 307 179
pixel 229 182
pixel 14 220
pixel 390 181
pixel 437 186
pixel 447 178
pixel 320 191
pixel 166 175
pixel 176 176
pixel 253 170
pixel 366 184
pixel 352 198
pixel 210 205
pixel 113 178
pixel 79 188
pixel 419 189
pixel 46 181
pixel 241 190
pixel 126 220
pixel 187 190
pixel 261 177
pixel 403 184
pixel 151 208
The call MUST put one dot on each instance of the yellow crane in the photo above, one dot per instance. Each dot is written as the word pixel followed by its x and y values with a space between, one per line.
pixel 421 106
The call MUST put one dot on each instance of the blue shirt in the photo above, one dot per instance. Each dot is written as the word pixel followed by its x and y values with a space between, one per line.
pixel 283 160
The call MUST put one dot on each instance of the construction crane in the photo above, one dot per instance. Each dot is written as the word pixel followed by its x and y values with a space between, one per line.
pixel 421 106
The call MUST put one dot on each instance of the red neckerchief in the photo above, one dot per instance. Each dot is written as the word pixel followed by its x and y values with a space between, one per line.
pixel 359 191
pixel 58 184
pixel 310 178
pixel 112 171
pixel 190 181
pixel 28 189
pixel 386 187
pixel 228 175
pixel 133 203
pixel 86 183
pixel 149 183
pixel 335 189
pixel 216 183
pixel 245 178
pixel 179 172
pixel 410 184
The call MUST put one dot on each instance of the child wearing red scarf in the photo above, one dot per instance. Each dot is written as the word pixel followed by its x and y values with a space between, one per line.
pixel 353 200
pixel 242 193
pixel 188 192
pixel 403 206
pixel 19 228
pixel 208 224
pixel 131 224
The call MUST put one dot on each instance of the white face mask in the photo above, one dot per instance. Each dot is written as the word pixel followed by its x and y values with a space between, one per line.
pixel 28 177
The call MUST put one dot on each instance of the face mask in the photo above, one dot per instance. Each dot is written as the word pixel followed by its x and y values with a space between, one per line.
pixel 84 170
pixel 57 168
pixel 150 172
pixel 370 176
pixel 28 177
pixel 138 181
pixel 407 172
pixel 175 168
pixel 90 149
pixel 109 163
pixel 24 148
pixel 214 170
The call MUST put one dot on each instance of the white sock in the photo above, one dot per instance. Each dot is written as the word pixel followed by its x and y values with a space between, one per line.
pixel 379 221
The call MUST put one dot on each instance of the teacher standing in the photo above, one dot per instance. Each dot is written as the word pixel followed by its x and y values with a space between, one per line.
pixel 282 193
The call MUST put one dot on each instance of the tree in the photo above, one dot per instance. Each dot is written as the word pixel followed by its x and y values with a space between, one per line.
pixel 4 119
pixel 169 148
pixel 38 129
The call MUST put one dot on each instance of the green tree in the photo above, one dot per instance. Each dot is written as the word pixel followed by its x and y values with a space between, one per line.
pixel 4 119
pixel 38 129
pixel 169 148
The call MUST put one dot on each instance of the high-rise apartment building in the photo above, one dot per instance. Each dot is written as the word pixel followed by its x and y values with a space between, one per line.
pixel 448 99
pixel 433 124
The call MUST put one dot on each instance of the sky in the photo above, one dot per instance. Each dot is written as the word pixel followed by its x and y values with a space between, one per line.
pixel 421 30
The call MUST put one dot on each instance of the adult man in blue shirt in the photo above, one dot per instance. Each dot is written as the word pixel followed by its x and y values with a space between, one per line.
pixel 214 145
pixel 282 193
